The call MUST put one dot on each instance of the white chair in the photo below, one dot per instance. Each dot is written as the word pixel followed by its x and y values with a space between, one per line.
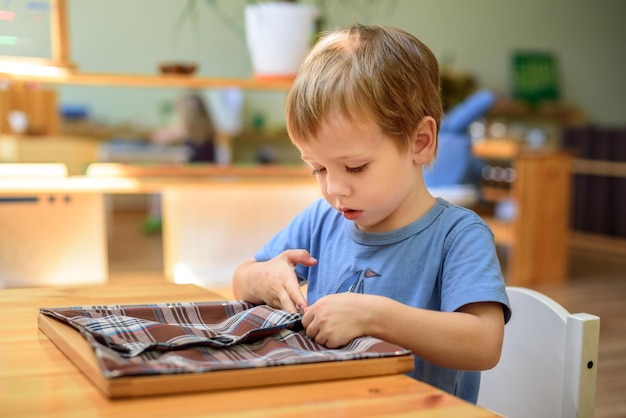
pixel 549 361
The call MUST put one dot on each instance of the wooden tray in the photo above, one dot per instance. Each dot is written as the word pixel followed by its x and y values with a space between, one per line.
pixel 78 350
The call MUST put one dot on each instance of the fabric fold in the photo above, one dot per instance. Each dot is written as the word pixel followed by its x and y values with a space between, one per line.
pixel 203 336
pixel 133 330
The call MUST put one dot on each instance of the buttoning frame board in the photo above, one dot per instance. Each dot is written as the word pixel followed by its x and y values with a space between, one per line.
pixel 78 350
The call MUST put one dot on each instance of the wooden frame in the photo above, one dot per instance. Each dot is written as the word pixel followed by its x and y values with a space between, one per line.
pixel 78 350
pixel 59 34
pixel 59 45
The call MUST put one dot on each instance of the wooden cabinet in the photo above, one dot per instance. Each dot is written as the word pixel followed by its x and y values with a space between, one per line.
pixel 536 235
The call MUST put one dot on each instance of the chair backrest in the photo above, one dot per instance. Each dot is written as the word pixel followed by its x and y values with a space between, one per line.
pixel 549 361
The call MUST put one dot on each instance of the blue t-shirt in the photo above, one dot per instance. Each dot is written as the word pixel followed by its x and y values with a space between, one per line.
pixel 443 261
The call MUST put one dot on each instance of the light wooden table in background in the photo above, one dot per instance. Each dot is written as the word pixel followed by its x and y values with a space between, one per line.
pixel 37 380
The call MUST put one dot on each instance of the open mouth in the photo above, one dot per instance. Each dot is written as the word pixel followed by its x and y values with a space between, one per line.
pixel 351 214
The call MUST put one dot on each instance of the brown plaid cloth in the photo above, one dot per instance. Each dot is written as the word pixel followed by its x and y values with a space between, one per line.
pixel 199 337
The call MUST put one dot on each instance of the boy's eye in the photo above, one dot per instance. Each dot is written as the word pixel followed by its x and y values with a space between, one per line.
pixel 356 169
pixel 317 171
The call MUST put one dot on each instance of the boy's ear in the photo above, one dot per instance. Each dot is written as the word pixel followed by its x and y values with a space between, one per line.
pixel 424 143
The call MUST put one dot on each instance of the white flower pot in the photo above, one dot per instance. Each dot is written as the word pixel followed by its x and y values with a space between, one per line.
pixel 279 35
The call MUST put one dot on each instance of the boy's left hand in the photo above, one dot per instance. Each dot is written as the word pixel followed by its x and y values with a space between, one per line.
pixel 336 319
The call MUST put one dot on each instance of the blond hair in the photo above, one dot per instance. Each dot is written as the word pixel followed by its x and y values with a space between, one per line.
pixel 366 72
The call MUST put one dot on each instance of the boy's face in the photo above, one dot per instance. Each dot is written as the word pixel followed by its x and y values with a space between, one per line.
pixel 364 175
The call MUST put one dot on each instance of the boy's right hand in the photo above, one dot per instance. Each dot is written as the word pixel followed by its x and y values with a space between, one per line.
pixel 275 282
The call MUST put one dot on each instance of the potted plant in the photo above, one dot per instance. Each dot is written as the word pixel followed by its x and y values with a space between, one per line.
pixel 278 36
pixel 278 33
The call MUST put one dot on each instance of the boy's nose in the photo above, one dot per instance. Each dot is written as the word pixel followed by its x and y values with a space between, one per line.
pixel 336 186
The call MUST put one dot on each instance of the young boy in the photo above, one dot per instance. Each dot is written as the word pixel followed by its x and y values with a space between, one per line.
pixel 380 255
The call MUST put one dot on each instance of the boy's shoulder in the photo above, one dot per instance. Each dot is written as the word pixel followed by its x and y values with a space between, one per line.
pixel 455 211
pixel 454 216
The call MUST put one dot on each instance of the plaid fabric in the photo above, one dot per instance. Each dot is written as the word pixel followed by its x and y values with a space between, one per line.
pixel 200 337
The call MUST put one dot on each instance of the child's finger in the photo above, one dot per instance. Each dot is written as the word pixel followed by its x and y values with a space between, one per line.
pixel 295 294
pixel 286 303
pixel 300 257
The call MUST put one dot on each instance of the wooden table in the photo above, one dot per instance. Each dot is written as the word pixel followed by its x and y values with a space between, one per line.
pixel 36 379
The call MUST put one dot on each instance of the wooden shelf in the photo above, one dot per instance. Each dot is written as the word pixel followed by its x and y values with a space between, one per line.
pixel 586 241
pixel 494 194
pixel 135 178
pixel 61 59
pixel 197 170
pixel 599 168
pixel 496 149
pixel 537 235
pixel 156 80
